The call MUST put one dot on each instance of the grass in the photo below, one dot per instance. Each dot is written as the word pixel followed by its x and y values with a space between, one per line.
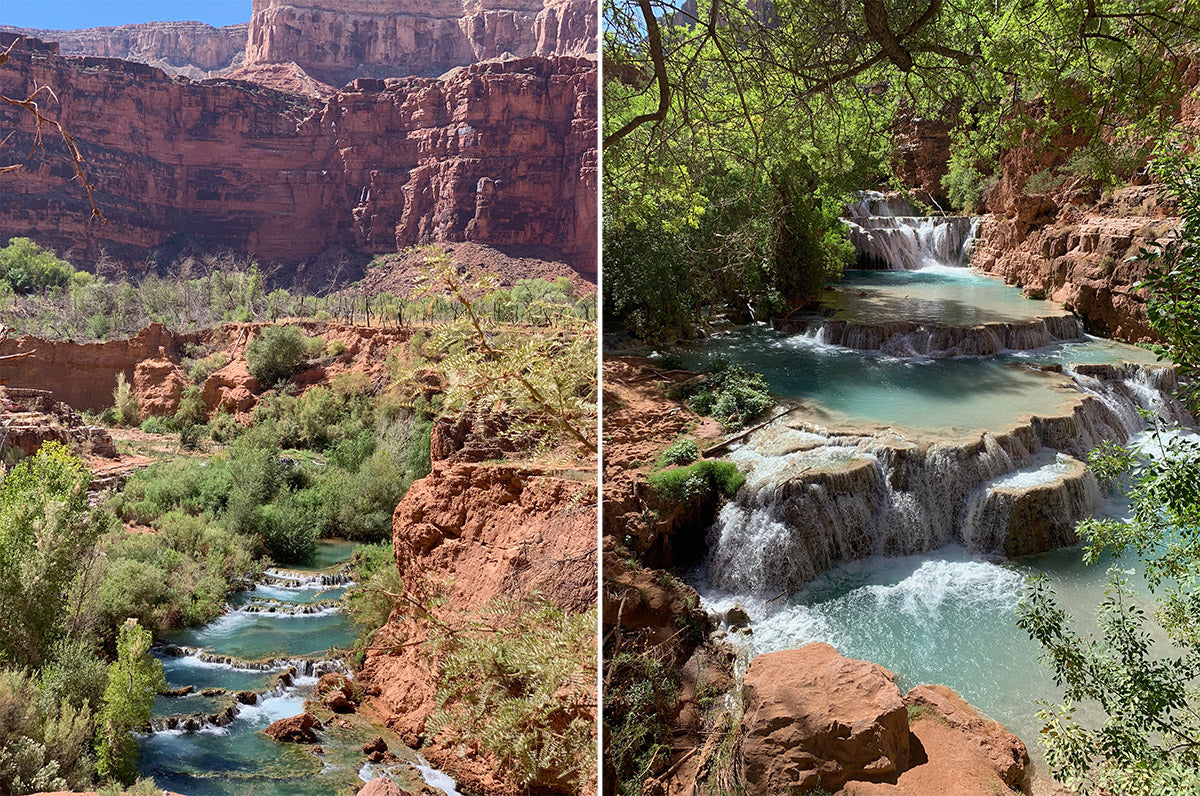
pixel 699 480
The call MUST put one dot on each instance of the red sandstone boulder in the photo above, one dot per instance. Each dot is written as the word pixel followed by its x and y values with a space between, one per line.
pixel 297 729
pixel 381 786
pixel 814 719
pixel 1005 751
pixel 158 385
pixel 231 389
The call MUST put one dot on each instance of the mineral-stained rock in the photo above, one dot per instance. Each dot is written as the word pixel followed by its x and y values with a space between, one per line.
pixel 297 729
pixel 500 152
pixel 375 745
pixel 814 719
pixel 338 702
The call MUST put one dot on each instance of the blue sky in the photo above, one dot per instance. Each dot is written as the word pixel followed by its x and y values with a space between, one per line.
pixel 71 14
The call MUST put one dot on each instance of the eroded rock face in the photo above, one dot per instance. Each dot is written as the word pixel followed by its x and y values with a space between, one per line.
pixel 474 533
pixel 191 49
pixel 381 786
pixel 297 729
pixel 814 719
pixel 336 41
pixel 31 418
pixel 158 384
pixel 501 152
pixel 1007 755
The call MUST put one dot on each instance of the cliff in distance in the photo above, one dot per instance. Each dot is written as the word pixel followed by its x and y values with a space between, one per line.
pixel 335 41
pixel 501 153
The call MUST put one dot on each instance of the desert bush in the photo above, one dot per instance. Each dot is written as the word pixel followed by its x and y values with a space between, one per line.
pixel 683 451
pixel 729 393
pixel 125 404
pixel 275 353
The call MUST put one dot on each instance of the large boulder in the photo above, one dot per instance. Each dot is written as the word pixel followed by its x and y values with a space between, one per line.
pixel 381 786
pixel 297 729
pixel 158 384
pixel 1003 750
pixel 814 719
pixel 231 389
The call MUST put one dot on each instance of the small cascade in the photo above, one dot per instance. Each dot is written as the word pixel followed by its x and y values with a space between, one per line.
pixel 291 579
pixel 908 339
pixel 266 605
pixel 303 667
pixel 809 505
pixel 888 234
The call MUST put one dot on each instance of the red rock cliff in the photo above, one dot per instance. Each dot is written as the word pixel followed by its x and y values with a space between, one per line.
pixel 477 532
pixel 192 49
pixel 338 40
pixel 499 152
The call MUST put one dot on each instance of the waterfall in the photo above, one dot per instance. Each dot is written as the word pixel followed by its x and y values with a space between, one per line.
pixel 887 234
pixel 911 339
pixel 813 501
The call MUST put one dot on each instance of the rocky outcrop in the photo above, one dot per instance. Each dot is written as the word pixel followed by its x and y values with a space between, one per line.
pixel 336 41
pixel 297 729
pixel 191 49
pixel 814 719
pixel 500 153
pixel 158 384
pixel 464 536
pixel 31 418
pixel 817 721
pixel 381 786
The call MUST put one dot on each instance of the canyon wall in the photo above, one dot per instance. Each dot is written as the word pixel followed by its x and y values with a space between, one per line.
pixel 501 152
pixel 338 40
pixel 191 49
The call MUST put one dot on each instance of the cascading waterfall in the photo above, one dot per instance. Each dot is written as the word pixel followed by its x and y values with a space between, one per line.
pixel 887 234
pixel 826 500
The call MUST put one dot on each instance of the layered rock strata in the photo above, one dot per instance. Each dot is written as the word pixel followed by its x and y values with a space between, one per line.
pixel 190 49
pixel 501 153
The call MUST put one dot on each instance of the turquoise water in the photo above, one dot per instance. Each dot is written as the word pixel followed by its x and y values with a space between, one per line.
pixel 945 617
pixel 329 553
pixel 945 295
pixel 256 636
pixel 946 395
pixel 238 759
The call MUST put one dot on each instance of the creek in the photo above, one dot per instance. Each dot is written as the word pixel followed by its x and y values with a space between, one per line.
pixel 273 641
pixel 934 460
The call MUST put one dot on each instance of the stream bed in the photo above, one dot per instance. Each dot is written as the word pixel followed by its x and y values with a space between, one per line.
pixel 860 523
pixel 273 640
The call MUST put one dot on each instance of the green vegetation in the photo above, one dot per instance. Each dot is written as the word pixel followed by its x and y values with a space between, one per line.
pixel 703 479
pixel 547 374
pixel 68 726
pixel 639 706
pixel 734 138
pixel 683 451
pixel 277 352
pixel 729 393
pixel 1142 677
pixel 133 682
pixel 512 683
pixel 43 295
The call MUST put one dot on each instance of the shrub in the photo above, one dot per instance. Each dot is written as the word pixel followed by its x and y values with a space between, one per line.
pixel 731 394
pixel 156 424
pixel 125 403
pixel 275 353
pixel 520 688
pixel 200 369
pixel 29 268
pixel 683 451
pixel 700 480
pixel 335 348
pixel 369 604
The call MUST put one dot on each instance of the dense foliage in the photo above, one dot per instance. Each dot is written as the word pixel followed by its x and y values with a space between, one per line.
pixel 1142 677
pixel 733 137
pixel 517 683
pixel 728 392
pixel 68 725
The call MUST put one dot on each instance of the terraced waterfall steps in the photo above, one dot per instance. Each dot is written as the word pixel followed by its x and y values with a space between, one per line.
pixel 935 458
pixel 259 663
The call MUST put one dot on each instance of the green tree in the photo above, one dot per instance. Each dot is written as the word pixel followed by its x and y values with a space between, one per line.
pixel 275 353
pixel 134 680
pixel 29 268
pixel 46 530
pixel 1143 679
